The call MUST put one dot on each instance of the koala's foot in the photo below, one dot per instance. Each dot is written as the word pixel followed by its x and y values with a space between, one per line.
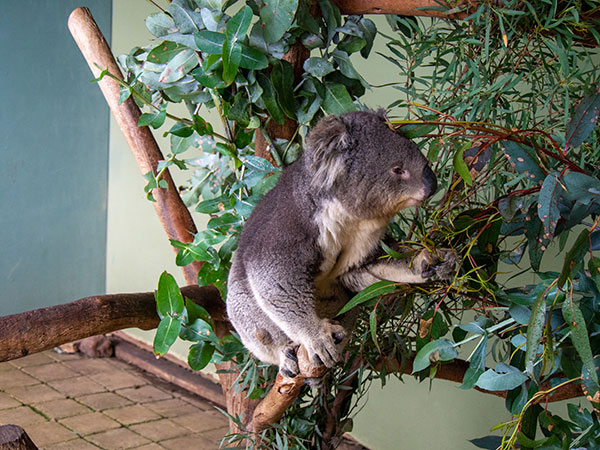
pixel 324 348
pixel 314 383
pixel 288 361
pixel 440 264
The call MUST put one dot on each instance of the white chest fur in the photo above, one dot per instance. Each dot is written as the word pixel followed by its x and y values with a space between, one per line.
pixel 345 240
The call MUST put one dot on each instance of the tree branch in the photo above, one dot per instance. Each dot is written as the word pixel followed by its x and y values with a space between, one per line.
pixel 44 328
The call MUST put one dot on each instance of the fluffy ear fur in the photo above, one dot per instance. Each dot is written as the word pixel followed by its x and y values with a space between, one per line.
pixel 325 145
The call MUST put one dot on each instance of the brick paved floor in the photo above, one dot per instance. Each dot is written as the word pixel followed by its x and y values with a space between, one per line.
pixel 67 401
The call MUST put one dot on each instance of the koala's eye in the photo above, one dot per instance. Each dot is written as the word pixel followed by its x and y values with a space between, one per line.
pixel 400 172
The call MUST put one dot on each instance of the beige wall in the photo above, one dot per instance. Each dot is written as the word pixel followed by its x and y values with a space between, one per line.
pixel 400 416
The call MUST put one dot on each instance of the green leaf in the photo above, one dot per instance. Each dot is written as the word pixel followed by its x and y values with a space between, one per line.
pixel 416 130
pixel 252 58
pixel 186 19
pixel 198 330
pixel 232 55
pixel 282 77
pixel 238 25
pixel 579 336
pixel 373 327
pixel 154 119
pixel 166 334
pixel 337 100
pixel 375 290
pixel 164 52
pixel 470 378
pixel 169 301
pixel 160 24
pixel 210 42
pixel 493 381
pixel 276 17
pixel 524 160
pixel 438 350
pixel 269 98
pixel 574 255
pixel 584 120
pixel 460 166
pixel 548 204
pixel 318 67
pixel 200 355
pixel 179 66
pixel 535 329
pixel 581 188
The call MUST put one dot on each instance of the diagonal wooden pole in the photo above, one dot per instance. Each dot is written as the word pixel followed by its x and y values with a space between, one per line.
pixel 173 214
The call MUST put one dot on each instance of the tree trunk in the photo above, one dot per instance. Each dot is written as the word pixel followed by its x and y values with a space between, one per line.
pixel 13 437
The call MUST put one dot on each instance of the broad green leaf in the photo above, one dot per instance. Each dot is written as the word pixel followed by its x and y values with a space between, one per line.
pixel 581 188
pixel 200 355
pixel 210 42
pixel 198 330
pixel 166 334
pixel 179 66
pixel 318 67
pixel 579 336
pixel 186 19
pixel 438 350
pixel 154 119
pixel 238 25
pixel 164 52
pixel 252 58
pixel 160 24
pixel 337 100
pixel 460 166
pixel 270 99
pixel 574 255
pixel 276 17
pixel 282 77
pixel 524 160
pixel 169 301
pixel 493 381
pixel 232 55
pixel 548 204
pixel 375 290
pixel 535 329
pixel 585 118
pixel 213 205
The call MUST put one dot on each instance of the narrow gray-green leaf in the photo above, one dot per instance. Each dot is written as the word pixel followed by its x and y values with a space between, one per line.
pixel 535 329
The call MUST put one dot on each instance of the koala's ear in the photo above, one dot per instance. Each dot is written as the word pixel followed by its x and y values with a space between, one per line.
pixel 325 150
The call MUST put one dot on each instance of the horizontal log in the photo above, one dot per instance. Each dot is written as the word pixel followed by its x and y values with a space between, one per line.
pixel 403 7
pixel 44 328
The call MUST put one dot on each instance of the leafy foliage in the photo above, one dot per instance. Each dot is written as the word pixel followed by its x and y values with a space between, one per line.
pixel 492 102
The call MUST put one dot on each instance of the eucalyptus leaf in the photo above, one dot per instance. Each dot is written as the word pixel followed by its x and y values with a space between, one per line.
pixel 584 119
pixel 166 334
pixel 493 381
pixel 318 67
pixel 438 350
pixel 337 100
pixel 376 290
pixel 169 301
pixel 276 17
pixel 579 336
pixel 200 355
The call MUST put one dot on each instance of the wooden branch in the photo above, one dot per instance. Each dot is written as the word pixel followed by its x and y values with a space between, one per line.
pixel 402 7
pixel 44 328
pixel 173 214
pixel 13 437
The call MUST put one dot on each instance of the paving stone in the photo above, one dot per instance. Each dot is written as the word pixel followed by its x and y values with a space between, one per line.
pixel 73 444
pixel 88 366
pixel 196 442
pixel 47 433
pixel 58 409
pixel 36 359
pixel 152 446
pixel 171 407
pixel 89 423
pixel 34 393
pixel 144 394
pixel 22 416
pixel 63 356
pixel 216 435
pixel 121 365
pixel 202 421
pixel 129 415
pixel 119 438
pixel 80 385
pixel 14 377
pixel 119 379
pixel 159 430
pixel 104 400
pixel 6 401
pixel 49 372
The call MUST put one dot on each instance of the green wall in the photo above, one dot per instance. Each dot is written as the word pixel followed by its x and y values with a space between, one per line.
pixel 53 158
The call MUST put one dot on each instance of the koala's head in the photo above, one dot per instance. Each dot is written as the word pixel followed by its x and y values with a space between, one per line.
pixel 370 169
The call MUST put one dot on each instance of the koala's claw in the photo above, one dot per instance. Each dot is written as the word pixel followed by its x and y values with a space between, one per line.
pixel 440 264
pixel 324 349
pixel 288 366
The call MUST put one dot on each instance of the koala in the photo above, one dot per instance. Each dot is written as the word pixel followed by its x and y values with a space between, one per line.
pixel 313 240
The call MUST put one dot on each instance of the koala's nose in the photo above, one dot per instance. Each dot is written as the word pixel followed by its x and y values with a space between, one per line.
pixel 430 181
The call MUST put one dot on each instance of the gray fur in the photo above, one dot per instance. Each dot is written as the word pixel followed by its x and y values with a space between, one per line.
pixel 314 238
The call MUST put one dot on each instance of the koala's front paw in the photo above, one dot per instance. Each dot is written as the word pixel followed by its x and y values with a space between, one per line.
pixel 288 361
pixel 323 349
pixel 440 264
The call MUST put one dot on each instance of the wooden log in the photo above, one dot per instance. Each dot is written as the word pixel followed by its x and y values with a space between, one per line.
pixel 13 437
pixel 34 331
pixel 173 214
pixel 402 7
